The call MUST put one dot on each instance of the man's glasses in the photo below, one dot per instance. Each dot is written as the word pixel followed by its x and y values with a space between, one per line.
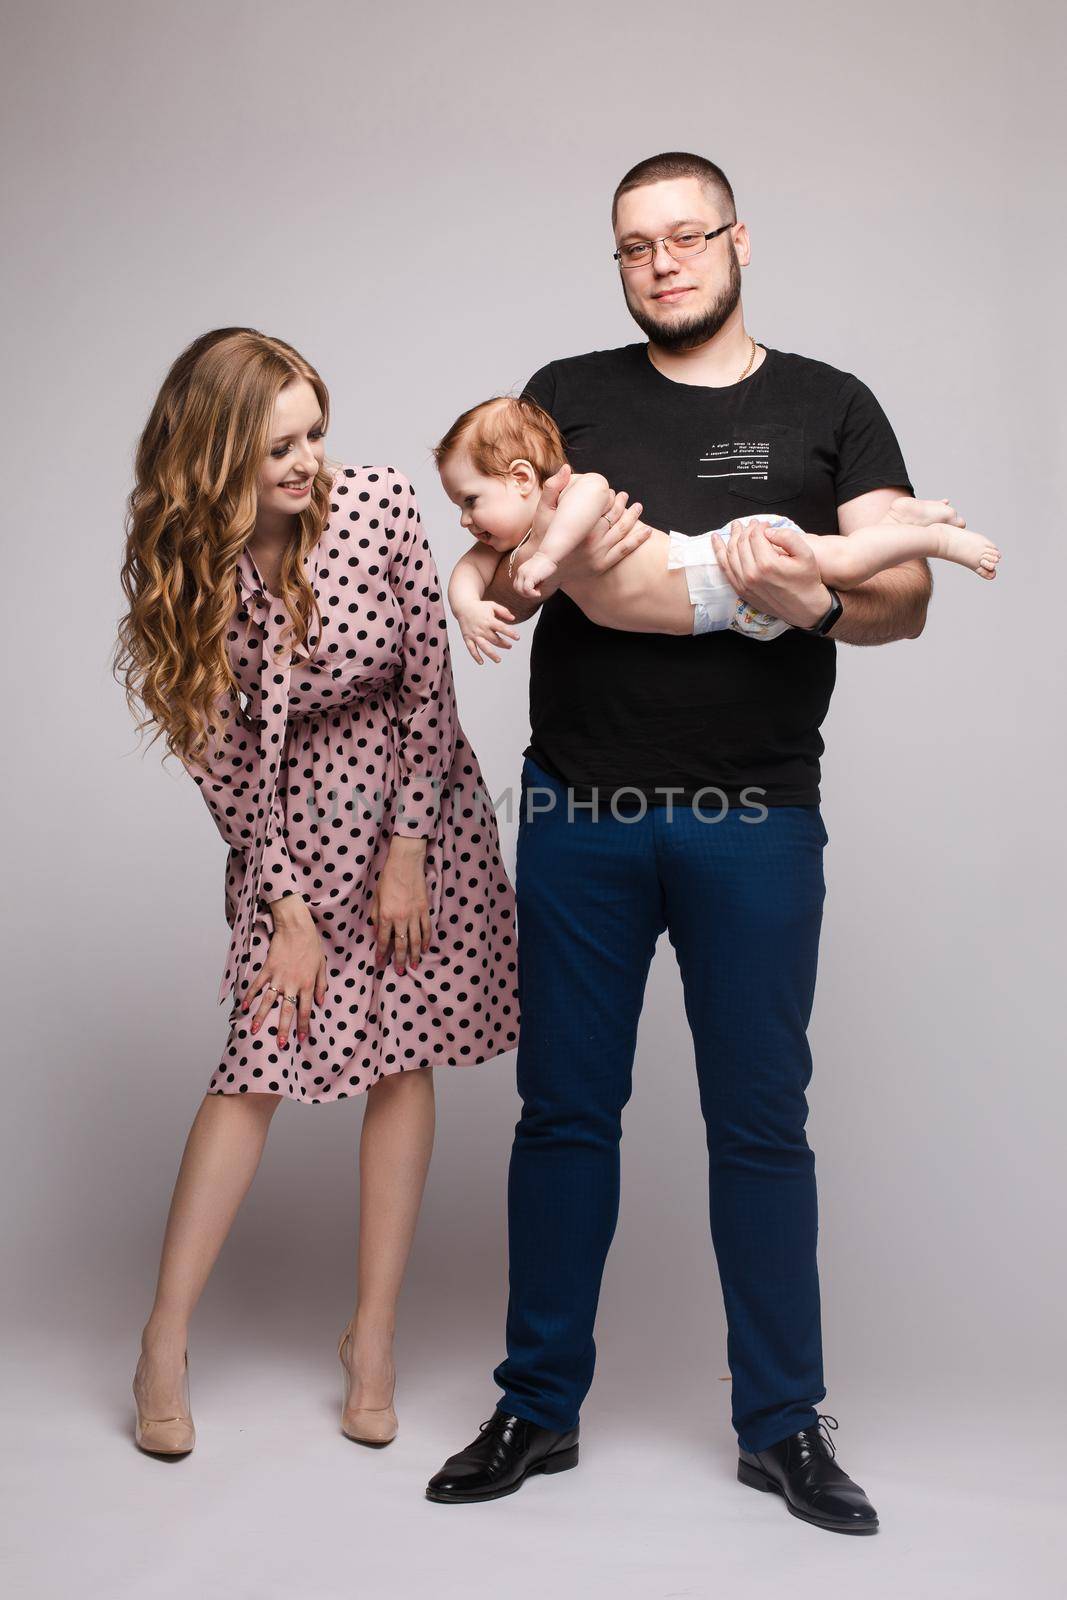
pixel 639 252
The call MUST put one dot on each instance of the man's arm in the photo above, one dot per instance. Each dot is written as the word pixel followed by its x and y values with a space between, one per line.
pixel 891 605
pixel 777 572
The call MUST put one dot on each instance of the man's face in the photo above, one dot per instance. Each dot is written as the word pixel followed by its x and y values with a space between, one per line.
pixel 680 304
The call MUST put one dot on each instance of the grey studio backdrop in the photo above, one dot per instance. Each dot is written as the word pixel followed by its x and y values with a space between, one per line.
pixel 421 205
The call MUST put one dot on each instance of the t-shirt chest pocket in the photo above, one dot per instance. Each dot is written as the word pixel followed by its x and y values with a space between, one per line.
pixel 759 461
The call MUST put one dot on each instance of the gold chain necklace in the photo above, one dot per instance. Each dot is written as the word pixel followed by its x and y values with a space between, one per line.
pixel 515 551
pixel 748 365
pixel 751 358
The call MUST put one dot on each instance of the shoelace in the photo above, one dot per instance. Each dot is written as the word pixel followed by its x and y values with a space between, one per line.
pixel 823 1423
pixel 494 1425
pixel 497 1423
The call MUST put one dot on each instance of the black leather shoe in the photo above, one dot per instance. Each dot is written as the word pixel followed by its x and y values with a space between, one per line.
pixel 802 1469
pixel 507 1450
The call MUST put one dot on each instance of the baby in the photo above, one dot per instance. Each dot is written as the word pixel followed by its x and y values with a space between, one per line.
pixel 493 463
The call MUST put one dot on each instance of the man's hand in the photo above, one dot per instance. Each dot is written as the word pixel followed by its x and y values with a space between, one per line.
pixel 615 535
pixel 551 490
pixel 775 571
pixel 618 532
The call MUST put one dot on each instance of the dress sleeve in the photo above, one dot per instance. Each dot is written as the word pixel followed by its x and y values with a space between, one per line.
pixel 425 695
pixel 230 785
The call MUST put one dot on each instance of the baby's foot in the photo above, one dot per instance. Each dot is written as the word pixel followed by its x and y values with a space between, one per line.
pixel 924 512
pixel 972 550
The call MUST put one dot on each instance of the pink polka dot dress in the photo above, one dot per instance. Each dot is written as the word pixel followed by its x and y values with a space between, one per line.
pixel 329 759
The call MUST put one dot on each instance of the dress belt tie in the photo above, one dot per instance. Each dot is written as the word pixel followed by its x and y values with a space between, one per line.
pixel 271 726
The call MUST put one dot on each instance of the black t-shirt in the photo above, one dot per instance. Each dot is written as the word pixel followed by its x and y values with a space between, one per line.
pixel 611 709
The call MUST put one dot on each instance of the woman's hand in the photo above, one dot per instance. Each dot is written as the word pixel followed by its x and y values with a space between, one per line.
pixel 295 964
pixel 483 627
pixel 400 908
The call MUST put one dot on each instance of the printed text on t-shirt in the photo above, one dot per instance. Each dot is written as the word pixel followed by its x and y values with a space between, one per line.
pixel 736 458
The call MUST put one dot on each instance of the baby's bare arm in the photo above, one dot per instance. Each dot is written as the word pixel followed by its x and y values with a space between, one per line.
pixel 609 545
pixel 471 576
pixel 582 502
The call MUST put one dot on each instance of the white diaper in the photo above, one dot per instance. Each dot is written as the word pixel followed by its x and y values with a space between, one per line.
pixel 716 603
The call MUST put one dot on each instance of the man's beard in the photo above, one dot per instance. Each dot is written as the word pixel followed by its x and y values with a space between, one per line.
pixel 688 333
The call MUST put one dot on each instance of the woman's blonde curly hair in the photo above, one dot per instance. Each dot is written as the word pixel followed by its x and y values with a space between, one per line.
pixel 190 513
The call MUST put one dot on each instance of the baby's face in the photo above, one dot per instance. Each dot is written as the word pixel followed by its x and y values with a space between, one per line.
pixel 495 511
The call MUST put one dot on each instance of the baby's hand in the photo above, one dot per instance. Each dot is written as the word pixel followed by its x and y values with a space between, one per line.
pixel 533 572
pixel 482 628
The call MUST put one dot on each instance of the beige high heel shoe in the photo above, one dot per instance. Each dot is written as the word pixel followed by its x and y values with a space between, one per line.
pixel 166 1436
pixel 373 1425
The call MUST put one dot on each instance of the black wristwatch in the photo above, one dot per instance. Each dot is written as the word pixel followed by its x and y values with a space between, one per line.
pixel 823 626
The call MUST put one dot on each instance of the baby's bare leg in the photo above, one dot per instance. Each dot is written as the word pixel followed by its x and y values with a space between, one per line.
pixel 846 560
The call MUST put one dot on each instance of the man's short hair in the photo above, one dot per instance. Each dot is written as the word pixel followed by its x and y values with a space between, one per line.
pixel 679 164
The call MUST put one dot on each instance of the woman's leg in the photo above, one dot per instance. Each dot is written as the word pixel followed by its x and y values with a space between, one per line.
pixel 394 1156
pixel 221 1155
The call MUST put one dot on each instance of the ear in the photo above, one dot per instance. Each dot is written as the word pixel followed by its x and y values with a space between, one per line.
pixel 742 244
pixel 524 474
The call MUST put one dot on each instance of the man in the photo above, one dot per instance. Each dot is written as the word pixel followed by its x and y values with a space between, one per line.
pixel 683 776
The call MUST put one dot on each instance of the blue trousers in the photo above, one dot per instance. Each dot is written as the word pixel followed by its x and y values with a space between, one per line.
pixel 742 904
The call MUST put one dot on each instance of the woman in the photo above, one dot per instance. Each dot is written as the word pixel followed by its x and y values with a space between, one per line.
pixel 286 634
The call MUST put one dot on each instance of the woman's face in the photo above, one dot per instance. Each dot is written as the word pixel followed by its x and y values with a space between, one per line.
pixel 496 511
pixel 295 452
